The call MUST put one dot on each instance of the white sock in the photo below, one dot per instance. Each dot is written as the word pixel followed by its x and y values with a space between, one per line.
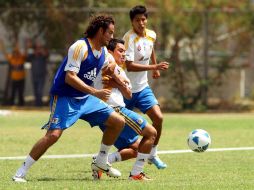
pixel 102 157
pixel 114 157
pixel 153 152
pixel 29 161
pixel 139 164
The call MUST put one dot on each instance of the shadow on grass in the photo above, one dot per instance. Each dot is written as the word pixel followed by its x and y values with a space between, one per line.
pixel 82 176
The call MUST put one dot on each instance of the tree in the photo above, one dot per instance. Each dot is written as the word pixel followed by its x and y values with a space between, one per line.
pixel 183 39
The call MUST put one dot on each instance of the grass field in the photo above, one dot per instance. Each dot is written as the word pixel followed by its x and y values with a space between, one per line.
pixel 209 170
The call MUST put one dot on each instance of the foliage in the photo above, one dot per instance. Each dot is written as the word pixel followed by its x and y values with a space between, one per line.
pixel 179 25
pixel 182 38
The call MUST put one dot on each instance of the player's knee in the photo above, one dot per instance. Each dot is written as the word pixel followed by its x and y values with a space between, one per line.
pixel 150 133
pixel 120 122
pixel 52 137
pixel 153 133
pixel 116 122
pixel 134 153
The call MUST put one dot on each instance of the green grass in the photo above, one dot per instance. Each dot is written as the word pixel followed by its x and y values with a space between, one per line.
pixel 209 170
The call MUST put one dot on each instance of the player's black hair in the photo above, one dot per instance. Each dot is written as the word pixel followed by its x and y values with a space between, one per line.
pixel 139 9
pixel 97 22
pixel 112 43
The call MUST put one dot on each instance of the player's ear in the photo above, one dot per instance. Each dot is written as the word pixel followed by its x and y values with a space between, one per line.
pixel 101 31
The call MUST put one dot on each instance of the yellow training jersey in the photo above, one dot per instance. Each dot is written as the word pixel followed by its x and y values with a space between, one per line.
pixel 139 50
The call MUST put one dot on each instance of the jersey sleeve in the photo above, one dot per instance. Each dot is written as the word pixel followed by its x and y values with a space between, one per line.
pixel 119 71
pixel 129 45
pixel 76 54
pixel 108 58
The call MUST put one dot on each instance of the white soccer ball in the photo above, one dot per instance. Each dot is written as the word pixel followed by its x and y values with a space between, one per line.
pixel 199 140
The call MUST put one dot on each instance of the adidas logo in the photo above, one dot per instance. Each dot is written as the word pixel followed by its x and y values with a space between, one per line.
pixel 91 75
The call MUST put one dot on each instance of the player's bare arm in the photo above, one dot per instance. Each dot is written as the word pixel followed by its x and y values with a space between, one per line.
pixel 73 80
pixel 163 65
pixel 125 90
pixel 135 67
pixel 109 70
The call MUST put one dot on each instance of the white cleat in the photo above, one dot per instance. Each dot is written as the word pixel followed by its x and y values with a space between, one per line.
pixel 111 172
pixel 19 179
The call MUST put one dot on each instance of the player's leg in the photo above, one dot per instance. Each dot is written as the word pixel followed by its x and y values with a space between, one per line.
pixel 148 104
pixel 97 113
pixel 144 149
pixel 130 152
pixel 126 152
pixel 118 156
pixel 114 125
pixel 137 125
pixel 57 123
pixel 156 116
pixel 37 151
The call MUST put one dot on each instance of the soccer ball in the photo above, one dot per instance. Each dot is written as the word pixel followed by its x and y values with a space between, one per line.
pixel 199 140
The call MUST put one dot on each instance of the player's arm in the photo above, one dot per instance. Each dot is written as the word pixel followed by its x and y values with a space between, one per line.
pixel 136 67
pixel 74 81
pixel 76 54
pixel 109 70
pixel 124 89
pixel 161 66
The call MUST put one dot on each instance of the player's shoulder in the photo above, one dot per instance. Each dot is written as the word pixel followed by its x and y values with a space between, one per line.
pixel 151 34
pixel 129 35
pixel 109 56
pixel 79 44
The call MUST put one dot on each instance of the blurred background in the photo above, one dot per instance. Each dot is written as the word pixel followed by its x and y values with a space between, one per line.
pixel 209 43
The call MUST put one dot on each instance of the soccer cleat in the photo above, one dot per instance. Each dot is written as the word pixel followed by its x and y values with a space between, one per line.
pixel 19 179
pixel 106 168
pixel 157 162
pixel 96 174
pixel 140 177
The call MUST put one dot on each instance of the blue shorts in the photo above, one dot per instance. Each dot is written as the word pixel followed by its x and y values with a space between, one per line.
pixel 65 111
pixel 134 124
pixel 143 100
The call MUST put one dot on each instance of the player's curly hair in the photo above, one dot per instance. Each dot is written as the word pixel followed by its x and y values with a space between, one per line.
pixel 97 22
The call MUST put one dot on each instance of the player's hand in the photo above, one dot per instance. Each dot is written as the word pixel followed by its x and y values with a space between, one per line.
pixel 109 82
pixel 103 94
pixel 156 74
pixel 162 66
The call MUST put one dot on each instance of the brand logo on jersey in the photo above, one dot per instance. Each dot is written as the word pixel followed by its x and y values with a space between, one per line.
pixel 91 75
pixel 139 48
pixel 140 121
pixel 118 71
pixel 71 65
pixel 55 120
pixel 144 58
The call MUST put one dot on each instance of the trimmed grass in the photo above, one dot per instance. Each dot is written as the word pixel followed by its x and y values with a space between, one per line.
pixel 210 170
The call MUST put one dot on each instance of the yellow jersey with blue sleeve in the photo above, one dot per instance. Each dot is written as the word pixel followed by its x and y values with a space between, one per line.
pixel 139 50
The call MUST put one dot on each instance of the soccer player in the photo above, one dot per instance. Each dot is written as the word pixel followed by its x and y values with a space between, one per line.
pixel 127 143
pixel 73 96
pixel 139 42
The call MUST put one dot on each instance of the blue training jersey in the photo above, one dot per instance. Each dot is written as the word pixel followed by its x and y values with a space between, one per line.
pixel 89 69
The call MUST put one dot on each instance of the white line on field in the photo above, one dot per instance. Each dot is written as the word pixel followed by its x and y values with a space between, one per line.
pixel 159 152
